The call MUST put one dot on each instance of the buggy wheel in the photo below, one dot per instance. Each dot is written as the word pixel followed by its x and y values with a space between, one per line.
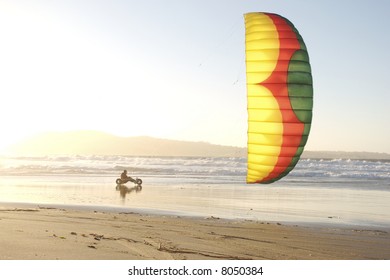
pixel 118 181
pixel 138 181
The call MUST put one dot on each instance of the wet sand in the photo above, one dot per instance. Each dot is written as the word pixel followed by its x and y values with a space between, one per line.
pixel 285 204
pixel 49 234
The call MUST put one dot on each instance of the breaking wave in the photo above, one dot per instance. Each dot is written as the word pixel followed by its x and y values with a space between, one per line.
pixel 233 168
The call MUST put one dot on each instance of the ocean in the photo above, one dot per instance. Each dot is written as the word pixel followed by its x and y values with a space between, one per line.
pixel 317 191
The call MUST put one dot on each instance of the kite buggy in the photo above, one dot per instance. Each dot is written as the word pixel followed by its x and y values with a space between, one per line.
pixel 123 189
pixel 124 179
pixel 136 181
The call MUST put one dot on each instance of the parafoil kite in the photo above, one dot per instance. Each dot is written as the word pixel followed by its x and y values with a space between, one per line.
pixel 280 96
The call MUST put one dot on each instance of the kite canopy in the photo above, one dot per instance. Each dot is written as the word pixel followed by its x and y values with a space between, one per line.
pixel 280 96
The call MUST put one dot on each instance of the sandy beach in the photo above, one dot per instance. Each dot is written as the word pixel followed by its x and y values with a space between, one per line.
pixel 50 234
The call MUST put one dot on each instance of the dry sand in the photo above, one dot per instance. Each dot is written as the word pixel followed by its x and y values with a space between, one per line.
pixel 50 234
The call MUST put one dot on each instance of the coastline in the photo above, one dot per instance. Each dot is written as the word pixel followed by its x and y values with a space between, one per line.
pixel 47 233
pixel 287 204
pixel 191 208
pixel 330 222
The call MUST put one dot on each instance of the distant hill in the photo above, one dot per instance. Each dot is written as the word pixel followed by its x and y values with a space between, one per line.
pixel 100 143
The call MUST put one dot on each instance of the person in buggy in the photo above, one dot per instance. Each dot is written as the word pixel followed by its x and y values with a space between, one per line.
pixel 126 178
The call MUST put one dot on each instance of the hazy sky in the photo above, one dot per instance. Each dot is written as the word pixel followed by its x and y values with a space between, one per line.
pixel 175 68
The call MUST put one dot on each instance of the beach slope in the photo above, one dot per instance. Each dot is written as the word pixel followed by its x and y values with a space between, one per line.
pixel 49 234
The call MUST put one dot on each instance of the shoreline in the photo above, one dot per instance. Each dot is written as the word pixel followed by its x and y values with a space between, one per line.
pixel 47 233
pixel 332 223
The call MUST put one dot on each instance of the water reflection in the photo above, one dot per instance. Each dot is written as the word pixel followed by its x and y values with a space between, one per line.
pixel 123 190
